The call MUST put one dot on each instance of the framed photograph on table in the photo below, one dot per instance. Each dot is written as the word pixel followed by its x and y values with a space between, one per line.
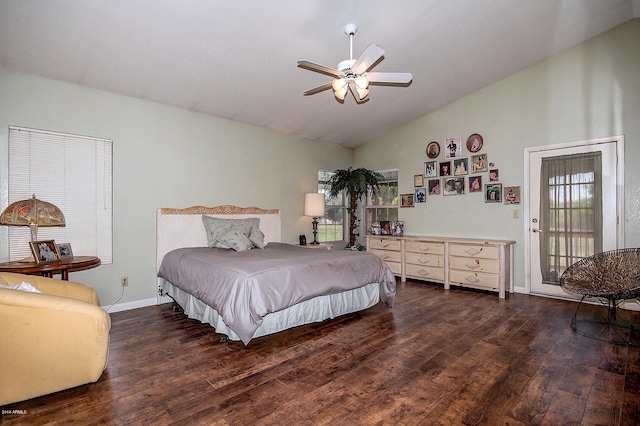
pixel 44 251
pixel 65 250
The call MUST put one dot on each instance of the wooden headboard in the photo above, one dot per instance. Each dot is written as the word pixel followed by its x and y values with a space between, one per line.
pixel 176 228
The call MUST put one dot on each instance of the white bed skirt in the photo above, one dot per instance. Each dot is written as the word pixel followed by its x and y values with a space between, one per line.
pixel 314 310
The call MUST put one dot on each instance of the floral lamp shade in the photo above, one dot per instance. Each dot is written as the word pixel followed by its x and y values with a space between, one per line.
pixel 32 213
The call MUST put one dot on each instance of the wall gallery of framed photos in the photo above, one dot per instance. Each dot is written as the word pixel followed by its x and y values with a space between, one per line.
pixel 449 172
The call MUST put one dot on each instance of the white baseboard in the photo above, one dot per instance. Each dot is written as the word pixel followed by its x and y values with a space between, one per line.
pixel 130 305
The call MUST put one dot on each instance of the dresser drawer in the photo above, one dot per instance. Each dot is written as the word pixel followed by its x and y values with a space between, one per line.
pixel 387 255
pixel 474 279
pixel 396 268
pixel 482 251
pixel 477 264
pixel 384 244
pixel 424 272
pixel 435 260
pixel 424 247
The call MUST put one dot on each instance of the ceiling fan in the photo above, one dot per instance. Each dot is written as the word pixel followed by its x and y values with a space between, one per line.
pixel 353 74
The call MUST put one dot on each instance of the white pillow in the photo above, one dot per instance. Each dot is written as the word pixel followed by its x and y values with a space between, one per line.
pixel 23 286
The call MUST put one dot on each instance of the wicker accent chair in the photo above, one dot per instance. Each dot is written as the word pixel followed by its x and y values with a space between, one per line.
pixel 608 278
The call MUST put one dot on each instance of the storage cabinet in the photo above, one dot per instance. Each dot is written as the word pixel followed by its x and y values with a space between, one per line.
pixel 390 250
pixel 424 260
pixel 466 262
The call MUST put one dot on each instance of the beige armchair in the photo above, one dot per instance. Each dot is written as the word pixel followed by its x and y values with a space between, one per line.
pixel 49 341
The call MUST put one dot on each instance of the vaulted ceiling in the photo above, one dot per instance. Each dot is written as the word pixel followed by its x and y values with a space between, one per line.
pixel 238 59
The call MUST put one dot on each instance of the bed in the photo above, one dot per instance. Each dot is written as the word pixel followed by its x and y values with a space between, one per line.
pixel 246 294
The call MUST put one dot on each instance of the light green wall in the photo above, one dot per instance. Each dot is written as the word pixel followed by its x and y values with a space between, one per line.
pixel 589 91
pixel 165 157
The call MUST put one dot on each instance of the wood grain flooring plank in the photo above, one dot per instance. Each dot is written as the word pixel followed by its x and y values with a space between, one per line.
pixel 437 358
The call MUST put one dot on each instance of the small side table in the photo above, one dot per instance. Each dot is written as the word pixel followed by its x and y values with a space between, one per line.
pixel 48 269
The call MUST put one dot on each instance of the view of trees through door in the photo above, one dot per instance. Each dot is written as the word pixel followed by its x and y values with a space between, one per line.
pixel 573 208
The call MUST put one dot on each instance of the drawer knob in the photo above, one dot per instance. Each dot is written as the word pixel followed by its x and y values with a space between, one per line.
pixel 472 279
pixel 423 260
pixel 423 272
pixel 472 265
pixel 473 251
pixel 424 248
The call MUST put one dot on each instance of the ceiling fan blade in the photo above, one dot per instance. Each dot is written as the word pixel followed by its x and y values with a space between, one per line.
pixel 320 68
pixel 390 77
pixel 318 89
pixel 370 56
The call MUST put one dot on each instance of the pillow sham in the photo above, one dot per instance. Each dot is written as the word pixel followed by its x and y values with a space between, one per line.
pixel 235 239
pixel 217 228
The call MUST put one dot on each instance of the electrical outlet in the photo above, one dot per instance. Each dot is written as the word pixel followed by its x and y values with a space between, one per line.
pixel 515 213
pixel 124 281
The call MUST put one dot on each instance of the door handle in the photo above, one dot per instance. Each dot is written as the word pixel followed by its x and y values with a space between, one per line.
pixel 536 230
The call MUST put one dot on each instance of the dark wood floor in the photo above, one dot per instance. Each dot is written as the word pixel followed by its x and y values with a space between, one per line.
pixel 454 357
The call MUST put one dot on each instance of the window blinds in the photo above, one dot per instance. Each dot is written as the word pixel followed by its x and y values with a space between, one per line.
pixel 74 173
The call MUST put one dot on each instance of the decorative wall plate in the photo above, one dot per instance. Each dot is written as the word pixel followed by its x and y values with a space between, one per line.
pixel 433 150
pixel 474 142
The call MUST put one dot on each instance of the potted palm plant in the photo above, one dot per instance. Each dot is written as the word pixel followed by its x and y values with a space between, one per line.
pixel 356 183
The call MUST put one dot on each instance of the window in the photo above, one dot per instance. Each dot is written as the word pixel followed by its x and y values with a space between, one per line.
pixel 331 226
pixel 72 172
pixel 384 206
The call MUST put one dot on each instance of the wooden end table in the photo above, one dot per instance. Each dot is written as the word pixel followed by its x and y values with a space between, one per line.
pixel 48 269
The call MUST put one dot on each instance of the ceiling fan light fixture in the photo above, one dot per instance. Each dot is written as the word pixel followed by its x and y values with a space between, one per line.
pixel 362 92
pixel 362 82
pixel 340 94
pixel 338 84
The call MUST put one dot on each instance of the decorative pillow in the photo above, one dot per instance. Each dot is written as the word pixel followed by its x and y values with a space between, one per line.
pixel 217 227
pixel 23 286
pixel 257 237
pixel 235 239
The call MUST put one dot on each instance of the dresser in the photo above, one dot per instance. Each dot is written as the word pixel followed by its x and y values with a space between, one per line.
pixel 465 262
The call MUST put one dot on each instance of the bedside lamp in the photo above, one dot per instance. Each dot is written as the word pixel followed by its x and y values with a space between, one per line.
pixel 314 207
pixel 32 213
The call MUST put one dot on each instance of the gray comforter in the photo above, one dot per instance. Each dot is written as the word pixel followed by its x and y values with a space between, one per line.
pixel 243 287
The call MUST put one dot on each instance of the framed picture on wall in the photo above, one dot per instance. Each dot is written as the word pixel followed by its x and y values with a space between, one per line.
pixel 493 193
pixel 475 183
pixel 453 148
pixel 445 168
pixel 460 166
pixel 418 181
pixel 494 175
pixel 434 186
pixel 430 169
pixel 421 195
pixel 453 186
pixel 406 200
pixel 479 163
pixel 433 150
pixel 512 195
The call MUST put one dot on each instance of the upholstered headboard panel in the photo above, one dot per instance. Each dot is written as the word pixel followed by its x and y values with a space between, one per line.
pixel 176 228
